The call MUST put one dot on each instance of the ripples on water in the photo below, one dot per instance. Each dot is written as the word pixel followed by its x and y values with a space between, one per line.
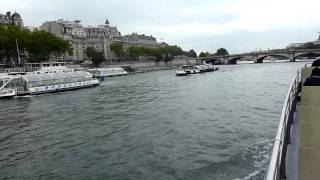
pixel 154 125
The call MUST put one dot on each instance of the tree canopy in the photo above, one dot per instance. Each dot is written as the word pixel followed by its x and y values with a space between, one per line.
pixel 165 53
pixel 204 54
pixel 117 48
pixel 191 53
pixel 40 45
pixel 95 56
pixel 43 44
pixel 222 51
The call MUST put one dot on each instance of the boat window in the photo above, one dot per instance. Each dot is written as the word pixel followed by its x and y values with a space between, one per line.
pixel 56 78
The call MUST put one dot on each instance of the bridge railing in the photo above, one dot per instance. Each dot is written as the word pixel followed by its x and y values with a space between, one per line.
pixel 276 170
pixel 268 52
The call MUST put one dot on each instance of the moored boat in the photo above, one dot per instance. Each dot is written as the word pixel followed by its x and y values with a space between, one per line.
pixel 189 69
pixel 181 72
pixel 47 80
pixel 5 91
pixel 107 72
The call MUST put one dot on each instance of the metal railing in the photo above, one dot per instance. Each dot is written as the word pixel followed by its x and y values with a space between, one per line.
pixel 277 166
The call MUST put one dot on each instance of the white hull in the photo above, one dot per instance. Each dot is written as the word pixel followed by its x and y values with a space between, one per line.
pixel 115 74
pixel 63 87
pixel 181 73
pixel 107 72
pixel 6 93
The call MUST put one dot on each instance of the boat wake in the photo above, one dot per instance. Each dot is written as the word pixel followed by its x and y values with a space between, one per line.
pixel 249 163
pixel 258 156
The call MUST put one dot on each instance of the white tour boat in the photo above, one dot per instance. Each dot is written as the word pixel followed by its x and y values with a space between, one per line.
pixel 189 69
pixel 50 79
pixel 107 72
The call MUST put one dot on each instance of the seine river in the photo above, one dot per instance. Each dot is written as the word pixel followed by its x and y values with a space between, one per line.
pixel 152 126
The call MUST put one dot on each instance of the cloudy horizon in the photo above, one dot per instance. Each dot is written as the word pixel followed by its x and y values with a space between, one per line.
pixel 237 25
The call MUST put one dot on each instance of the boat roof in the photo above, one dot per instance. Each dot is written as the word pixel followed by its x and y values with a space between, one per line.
pixel 59 75
pixel 54 68
pixel 7 76
pixel 116 68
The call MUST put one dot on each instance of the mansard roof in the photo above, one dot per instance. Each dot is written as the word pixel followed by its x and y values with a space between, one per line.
pixel 16 15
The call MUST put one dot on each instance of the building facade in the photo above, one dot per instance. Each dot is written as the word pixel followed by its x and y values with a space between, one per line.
pixel 296 45
pixel 142 40
pixel 99 37
pixel 81 37
pixel 9 18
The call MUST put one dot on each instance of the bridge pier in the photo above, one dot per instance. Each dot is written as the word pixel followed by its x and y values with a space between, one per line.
pixel 256 58
pixel 292 57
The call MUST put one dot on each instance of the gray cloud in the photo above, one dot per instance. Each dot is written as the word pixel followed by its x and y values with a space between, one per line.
pixel 239 25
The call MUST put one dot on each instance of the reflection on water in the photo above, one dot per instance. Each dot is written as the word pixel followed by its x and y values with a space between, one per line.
pixel 154 125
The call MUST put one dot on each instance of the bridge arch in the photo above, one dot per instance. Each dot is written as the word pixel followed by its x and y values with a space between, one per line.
pixel 234 60
pixel 212 61
pixel 308 54
pixel 261 58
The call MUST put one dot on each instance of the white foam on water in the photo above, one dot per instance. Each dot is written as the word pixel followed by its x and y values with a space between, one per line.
pixel 25 96
pixel 257 156
pixel 251 176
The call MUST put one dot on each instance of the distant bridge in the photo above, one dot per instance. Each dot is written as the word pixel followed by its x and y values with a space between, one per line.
pixel 259 56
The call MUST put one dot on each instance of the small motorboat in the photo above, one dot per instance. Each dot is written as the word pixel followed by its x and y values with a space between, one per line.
pixel 181 72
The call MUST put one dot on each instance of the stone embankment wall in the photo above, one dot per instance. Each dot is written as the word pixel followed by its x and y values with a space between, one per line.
pixel 144 66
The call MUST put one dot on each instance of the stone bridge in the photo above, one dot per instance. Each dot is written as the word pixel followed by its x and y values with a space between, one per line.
pixel 257 57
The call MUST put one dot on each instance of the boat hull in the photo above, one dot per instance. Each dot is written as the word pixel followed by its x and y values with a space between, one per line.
pixel 185 74
pixel 181 73
pixel 7 93
pixel 62 87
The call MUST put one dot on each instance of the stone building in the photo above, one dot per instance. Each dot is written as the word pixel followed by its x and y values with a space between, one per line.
pixel 80 37
pixel 142 40
pixel 9 18
pixel 100 37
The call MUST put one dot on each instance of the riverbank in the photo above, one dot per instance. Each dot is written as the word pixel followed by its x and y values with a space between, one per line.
pixel 147 66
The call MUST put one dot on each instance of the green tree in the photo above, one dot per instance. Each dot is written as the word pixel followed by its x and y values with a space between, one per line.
pixel 40 45
pixel 222 52
pixel 117 48
pixel 204 54
pixel 9 35
pixel 43 44
pixel 163 53
pixel 169 52
pixel 192 53
pixel 96 56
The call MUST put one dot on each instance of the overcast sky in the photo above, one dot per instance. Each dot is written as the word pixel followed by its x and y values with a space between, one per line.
pixel 203 25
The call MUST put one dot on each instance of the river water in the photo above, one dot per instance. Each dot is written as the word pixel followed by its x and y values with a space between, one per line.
pixel 217 125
